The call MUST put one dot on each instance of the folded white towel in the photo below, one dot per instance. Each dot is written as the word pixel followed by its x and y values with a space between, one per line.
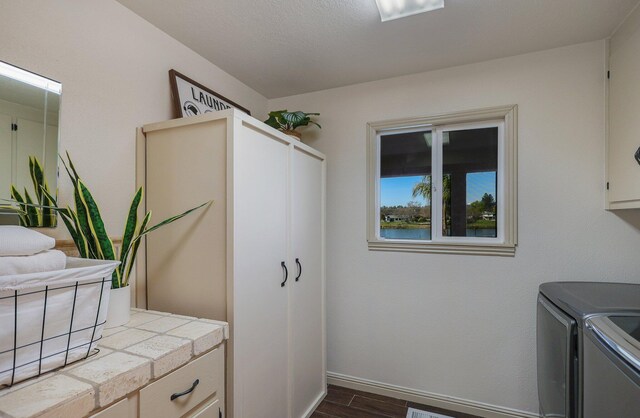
pixel 50 260
pixel 18 240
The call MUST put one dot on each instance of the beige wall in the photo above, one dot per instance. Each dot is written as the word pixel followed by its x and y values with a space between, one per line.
pixel 464 326
pixel 113 66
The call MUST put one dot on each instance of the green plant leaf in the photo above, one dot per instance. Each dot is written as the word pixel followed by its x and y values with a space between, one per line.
pixel 49 208
pixel 75 177
pixel 134 251
pixel 68 222
pixel 273 118
pixel 99 235
pixel 15 195
pixel 86 243
pixel 130 227
pixel 11 209
pixel 294 118
pixel 284 120
pixel 37 178
pixel 80 238
pixel 66 168
pixel 32 213
pixel 172 219
pixel 83 222
pixel 46 216
pixel 53 204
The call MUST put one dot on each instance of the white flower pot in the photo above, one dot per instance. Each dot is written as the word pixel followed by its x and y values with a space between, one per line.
pixel 119 307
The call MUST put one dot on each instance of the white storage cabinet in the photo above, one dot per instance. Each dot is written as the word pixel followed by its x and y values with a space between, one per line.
pixel 255 258
pixel 623 143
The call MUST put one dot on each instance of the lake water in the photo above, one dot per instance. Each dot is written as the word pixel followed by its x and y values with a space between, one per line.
pixel 425 233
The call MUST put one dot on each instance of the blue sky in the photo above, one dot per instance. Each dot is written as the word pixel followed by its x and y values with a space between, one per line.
pixel 396 191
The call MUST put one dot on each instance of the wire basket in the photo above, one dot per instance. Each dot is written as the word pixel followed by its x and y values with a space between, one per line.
pixel 51 319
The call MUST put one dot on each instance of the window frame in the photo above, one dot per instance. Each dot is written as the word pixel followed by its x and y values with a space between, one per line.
pixel 505 117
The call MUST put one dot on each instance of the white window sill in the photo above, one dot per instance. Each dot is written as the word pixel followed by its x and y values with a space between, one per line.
pixel 504 250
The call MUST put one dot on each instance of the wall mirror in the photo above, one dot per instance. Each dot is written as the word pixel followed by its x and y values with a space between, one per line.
pixel 29 116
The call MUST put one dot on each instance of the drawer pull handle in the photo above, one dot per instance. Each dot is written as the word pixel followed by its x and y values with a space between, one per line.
pixel 186 392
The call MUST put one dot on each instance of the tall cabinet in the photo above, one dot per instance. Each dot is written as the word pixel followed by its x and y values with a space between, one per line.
pixel 254 258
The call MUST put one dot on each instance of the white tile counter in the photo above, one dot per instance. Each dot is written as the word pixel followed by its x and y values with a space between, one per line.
pixel 150 346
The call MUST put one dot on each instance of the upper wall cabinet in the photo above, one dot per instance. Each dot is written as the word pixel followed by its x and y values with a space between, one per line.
pixel 623 145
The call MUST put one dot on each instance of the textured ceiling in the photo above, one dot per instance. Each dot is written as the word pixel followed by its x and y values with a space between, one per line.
pixel 286 47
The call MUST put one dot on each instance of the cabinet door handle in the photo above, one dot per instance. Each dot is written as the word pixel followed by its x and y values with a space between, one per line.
pixel 186 392
pixel 637 155
pixel 299 269
pixel 286 273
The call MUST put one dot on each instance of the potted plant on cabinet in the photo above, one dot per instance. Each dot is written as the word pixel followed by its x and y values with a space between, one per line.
pixel 288 122
pixel 88 232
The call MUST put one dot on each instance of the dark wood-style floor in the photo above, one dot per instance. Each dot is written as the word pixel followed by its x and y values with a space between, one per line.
pixel 348 403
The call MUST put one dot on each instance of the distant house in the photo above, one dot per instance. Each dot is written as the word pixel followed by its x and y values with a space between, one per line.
pixel 395 218
pixel 488 216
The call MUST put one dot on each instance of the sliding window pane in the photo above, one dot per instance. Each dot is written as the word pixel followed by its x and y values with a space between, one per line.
pixel 470 173
pixel 405 186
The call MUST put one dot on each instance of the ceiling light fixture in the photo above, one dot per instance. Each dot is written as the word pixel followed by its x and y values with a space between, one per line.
pixel 395 9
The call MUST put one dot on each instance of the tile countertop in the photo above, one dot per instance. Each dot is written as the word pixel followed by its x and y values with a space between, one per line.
pixel 148 347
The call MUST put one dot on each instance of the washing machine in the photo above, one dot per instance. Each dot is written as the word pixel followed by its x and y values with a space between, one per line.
pixel 612 366
pixel 564 336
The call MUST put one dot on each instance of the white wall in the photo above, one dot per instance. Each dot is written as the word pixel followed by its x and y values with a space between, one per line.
pixel 113 66
pixel 464 326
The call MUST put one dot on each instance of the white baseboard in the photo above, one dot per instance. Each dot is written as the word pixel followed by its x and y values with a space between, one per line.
pixel 315 405
pixel 426 398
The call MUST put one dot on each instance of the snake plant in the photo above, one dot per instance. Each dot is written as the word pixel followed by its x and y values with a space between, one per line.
pixel 289 121
pixel 88 232
pixel 38 212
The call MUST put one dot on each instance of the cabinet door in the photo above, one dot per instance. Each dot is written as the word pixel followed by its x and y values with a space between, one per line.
pixel 260 311
pixel 307 302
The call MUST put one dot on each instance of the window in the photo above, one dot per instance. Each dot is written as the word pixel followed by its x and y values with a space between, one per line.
pixel 444 184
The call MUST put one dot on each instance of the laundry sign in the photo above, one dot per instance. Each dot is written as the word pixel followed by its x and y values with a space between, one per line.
pixel 191 98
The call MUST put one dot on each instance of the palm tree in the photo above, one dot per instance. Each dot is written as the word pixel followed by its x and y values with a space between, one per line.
pixel 423 189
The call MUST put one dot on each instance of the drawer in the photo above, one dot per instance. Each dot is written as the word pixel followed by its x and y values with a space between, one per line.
pixel 211 410
pixel 155 399
pixel 117 410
